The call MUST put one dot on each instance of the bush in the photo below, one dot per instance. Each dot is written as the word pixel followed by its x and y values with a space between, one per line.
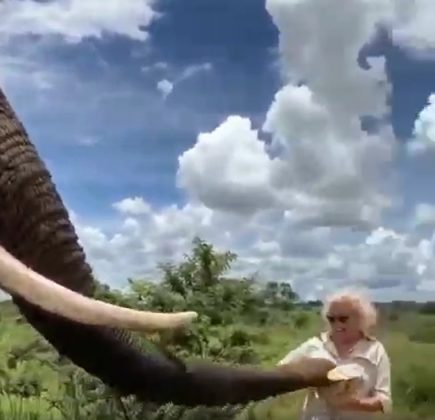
pixel 393 316
pixel 428 308
pixel 301 320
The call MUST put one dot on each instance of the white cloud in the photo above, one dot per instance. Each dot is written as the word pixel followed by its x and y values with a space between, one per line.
pixel 333 167
pixel 423 139
pixel 413 27
pixel 385 259
pixel 333 176
pixel 277 213
pixel 328 171
pixel 312 243
pixel 138 244
pixel 380 235
pixel 264 248
pixel 321 46
pixel 424 216
pixel 134 206
pixel 75 20
pixel 160 65
pixel 313 260
pixel 427 286
pixel 194 69
pixel 28 67
pixel 165 87
pixel 21 68
pixel 228 169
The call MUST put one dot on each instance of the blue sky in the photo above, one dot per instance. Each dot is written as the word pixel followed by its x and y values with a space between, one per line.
pixel 243 81
pixel 128 160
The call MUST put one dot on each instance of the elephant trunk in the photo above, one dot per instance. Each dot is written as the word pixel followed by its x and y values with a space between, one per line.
pixel 154 378
pixel 210 384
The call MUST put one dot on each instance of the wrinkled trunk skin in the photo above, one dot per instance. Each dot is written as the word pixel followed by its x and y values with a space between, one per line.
pixel 35 228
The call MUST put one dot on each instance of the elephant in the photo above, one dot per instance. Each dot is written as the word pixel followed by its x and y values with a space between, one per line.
pixel 44 268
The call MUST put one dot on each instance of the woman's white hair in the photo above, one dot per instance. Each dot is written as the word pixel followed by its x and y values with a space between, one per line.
pixel 361 302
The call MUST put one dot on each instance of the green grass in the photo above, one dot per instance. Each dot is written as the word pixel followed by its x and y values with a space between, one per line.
pixel 408 339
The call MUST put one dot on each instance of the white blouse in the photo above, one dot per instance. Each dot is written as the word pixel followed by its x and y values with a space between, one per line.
pixel 370 354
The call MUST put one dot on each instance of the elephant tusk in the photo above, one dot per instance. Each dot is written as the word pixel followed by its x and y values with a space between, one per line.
pixel 16 278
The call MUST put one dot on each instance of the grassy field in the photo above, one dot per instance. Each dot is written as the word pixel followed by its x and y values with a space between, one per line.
pixel 26 364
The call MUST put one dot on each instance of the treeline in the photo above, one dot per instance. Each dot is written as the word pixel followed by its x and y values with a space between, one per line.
pixel 402 306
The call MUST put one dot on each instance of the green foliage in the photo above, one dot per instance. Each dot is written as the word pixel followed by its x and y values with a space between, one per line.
pixel 229 311
pixel 241 322
pixel 393 316
pixel 428 308
pixel 301 320
pixel 279 295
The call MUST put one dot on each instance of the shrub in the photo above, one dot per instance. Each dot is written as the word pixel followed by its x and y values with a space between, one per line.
pixel 428 308
pixel 301 320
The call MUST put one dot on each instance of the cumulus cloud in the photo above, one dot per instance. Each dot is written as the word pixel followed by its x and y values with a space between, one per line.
pixel 139 243
pixel 314 261
pixel 312 243
pixel 385 259
pixel 413 27
pixel 279 213
pixel 228 169
pixel 423 139
pixel 134 206
pixel 74 20
pixel 329 172
pixel 334 168
pixel 320 46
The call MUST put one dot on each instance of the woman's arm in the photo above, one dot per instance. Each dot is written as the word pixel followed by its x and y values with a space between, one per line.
pixel 382 389
pixel 381 399
pixel 304 349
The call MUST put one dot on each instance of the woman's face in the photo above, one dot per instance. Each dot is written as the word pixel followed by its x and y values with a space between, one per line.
pixel 344 320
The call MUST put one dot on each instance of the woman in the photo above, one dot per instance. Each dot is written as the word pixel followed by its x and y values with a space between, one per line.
pixel 350 319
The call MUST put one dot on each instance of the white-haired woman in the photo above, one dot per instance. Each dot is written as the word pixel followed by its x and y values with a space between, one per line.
pixel 350 319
